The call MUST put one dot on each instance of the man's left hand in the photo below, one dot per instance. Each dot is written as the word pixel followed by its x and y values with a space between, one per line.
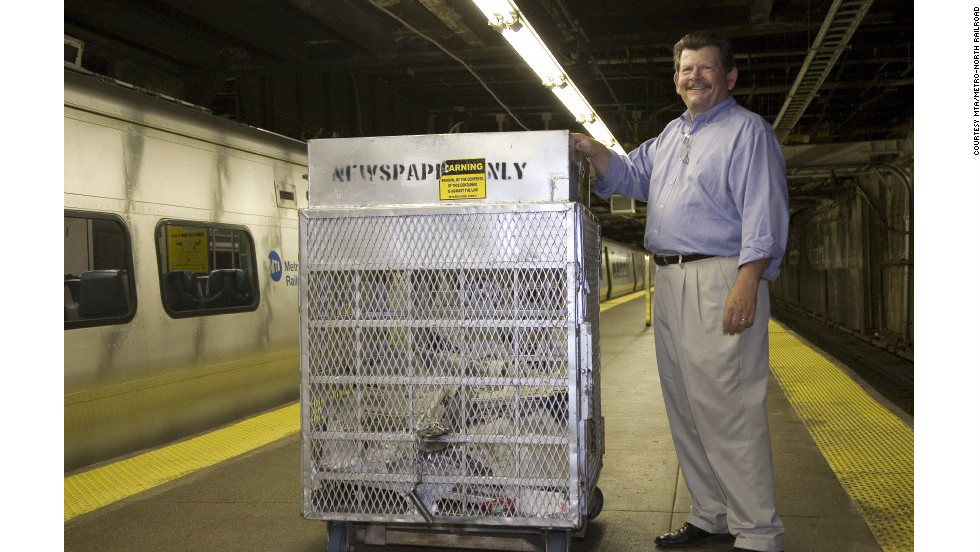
pixel 740 304
pixel 739 309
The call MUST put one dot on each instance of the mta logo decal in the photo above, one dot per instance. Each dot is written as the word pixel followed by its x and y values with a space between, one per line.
pixel 275 272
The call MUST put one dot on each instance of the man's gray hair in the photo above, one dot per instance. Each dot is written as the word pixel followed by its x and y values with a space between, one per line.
pixel 703 39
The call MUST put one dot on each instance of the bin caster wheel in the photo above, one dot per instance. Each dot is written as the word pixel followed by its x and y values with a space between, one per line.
pixel 595 505
pixel 339 537
pixel 557 541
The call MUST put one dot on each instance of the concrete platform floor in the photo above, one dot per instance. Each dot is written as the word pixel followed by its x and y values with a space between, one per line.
pixel 252 502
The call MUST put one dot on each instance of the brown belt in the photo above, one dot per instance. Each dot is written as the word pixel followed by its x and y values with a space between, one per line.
pixel 664 260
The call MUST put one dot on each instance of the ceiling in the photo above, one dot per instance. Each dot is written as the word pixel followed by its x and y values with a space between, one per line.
pixel 321 68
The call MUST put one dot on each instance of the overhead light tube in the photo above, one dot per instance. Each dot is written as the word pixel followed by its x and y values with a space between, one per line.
pixel 506 17
pixel 535 54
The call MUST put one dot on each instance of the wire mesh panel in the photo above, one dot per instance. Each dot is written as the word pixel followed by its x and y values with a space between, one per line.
pixel 442 356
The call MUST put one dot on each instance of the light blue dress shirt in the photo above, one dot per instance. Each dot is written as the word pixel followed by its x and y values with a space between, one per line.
pixel 714 186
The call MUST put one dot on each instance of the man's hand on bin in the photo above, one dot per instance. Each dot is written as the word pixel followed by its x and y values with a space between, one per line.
pixel 598 154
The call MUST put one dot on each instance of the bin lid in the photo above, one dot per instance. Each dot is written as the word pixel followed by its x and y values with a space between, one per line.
pixel 484 167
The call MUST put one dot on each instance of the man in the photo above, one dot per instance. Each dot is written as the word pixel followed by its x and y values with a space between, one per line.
pixel 717 218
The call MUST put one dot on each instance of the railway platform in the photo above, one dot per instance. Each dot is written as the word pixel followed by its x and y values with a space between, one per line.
pixel 842 460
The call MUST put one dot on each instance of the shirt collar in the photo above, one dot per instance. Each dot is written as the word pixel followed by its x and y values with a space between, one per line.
pixel 710 114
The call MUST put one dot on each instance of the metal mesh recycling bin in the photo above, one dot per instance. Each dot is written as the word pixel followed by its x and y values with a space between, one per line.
pixel 450 362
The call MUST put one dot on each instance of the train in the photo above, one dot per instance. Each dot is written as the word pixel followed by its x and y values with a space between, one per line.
pixel 621 270
pixel 181 294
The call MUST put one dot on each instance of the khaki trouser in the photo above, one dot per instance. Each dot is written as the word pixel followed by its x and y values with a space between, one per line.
pixel 714 387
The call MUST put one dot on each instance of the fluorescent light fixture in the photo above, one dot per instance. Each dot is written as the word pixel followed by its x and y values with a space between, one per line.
pixel 505 16
pixel 495 10
pixel 574 102
pixel 535 53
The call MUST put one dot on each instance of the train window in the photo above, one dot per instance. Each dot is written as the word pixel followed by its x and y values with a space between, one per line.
pixel 99 284
pixel 206 268
pixel 621 269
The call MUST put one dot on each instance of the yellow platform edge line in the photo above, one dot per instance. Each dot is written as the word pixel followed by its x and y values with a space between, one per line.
pixel 99 487
pixel 869 449
pixel 603 307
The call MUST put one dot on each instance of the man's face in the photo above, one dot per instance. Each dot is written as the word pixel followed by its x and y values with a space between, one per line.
pixel 701 80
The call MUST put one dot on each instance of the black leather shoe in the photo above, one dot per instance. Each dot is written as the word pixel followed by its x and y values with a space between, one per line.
pixel 687 535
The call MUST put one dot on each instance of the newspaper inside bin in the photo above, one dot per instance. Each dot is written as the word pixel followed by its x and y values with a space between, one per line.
pixel 485 456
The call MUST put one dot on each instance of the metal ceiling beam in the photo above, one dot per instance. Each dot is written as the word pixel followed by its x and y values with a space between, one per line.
pixel 98 41
pixel 452 19
pixel 260 32
pixel 831 40
pixel 478 57
pixel 783 88
pixel 353 19
pixel 130 23
pixel 848 154
pixel 663 36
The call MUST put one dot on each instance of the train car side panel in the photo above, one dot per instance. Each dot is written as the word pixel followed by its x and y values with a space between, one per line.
pixel 157 378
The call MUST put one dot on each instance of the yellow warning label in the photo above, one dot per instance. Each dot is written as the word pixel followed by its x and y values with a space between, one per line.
pixel 463 179
pixel 187 248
